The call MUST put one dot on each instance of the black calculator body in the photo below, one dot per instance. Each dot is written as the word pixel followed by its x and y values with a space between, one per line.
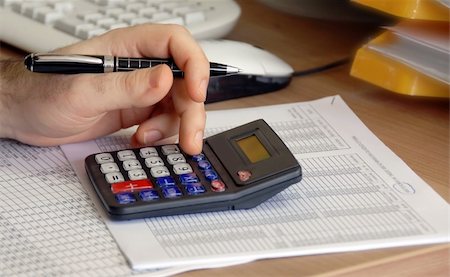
pixel 238 169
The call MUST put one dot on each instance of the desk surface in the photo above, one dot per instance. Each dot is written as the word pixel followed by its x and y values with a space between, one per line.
pixel 403 123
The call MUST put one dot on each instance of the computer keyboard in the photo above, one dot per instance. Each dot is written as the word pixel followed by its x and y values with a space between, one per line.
pixel 43 25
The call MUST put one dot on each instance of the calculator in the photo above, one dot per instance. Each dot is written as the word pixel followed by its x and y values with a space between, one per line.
pixel 237 169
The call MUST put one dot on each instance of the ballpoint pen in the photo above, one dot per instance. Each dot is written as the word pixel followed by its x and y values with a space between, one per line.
pixel 74 64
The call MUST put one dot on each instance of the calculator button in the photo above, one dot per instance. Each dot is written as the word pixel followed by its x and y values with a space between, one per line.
pixel 199 157
pixel 149 195
pixel 170 149
pixel 126 155
pixel 211 174
pixel 189 178
pixel 159 171
pixel 175 158
pixel 114 177
pixel 203 165
pixel 104 158
pixel 182 168
pixel 171 192
pixel 195 189
pixel 131 186
pixel 109 167
pixel 137 174
pixel 153 161
pixel 165 181
pixel 148 152
pixel 217 186
pixel 131 164
pixel 125 198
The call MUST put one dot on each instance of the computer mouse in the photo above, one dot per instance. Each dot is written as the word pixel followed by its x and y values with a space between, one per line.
pixel 260 70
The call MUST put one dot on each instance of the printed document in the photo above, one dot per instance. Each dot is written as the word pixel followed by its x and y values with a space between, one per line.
pixel 355 194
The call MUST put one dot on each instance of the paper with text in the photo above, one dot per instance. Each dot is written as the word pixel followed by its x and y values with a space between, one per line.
pixel 355 194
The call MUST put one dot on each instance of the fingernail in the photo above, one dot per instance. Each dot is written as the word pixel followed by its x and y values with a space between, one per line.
pixel 198 139
pixel 155 77
pixel 202 89
pixel 152 136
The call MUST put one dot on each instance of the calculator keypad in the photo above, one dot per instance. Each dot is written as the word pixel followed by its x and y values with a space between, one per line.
pixel 155 173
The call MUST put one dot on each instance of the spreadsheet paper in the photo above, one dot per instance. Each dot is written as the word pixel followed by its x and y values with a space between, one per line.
pixel 355 194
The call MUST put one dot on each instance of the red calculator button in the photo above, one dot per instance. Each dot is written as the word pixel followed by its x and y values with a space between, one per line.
pixel 131 186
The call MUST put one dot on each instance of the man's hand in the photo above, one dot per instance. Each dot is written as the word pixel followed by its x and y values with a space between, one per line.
pixel 47 109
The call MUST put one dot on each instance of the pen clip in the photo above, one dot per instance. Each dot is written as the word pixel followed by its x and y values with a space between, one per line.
pixel 49 57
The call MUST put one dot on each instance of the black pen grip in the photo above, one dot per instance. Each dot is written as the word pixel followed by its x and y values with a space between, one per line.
pixel 33 64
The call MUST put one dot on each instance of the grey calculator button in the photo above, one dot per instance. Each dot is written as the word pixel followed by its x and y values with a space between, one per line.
pixel 176 158
pixel 170 149
pixel 131 164
pixel 126 155
pixel 104 158
pixel 114 177
pixel 147 152
pixel 182 168
pixel 137 174
pixel 153 161
pixel 159 171
pixel 109 167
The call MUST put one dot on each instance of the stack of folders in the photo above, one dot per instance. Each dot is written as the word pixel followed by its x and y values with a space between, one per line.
pixel 412 57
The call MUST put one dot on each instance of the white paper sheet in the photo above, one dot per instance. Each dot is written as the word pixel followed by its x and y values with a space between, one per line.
pixel 356 194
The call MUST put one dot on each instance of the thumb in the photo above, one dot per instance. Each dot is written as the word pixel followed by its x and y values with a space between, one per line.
pixel 123 90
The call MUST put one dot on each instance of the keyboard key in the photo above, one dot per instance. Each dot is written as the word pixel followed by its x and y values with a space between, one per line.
pixel 171 20
pixel 114 177
pixel 176 158
pixel 148 195
pixel 87 33
pixel 210 174
pixel 159 171
pixel 204 165
pixel 109 167
pixel 189 178
pixel 147 152
pixel 165 181
pixel 217 186
pixel 137 174
pixel 48 16
pixel 153 161
pixel 170 149
pixel 131 186
pixel 126 155
pixel 125 198
pixel 131 164
pixel 171 192
pixel 72 25
pixel 199 157
pixel 104 158
pixel 182 168
pixel 195 189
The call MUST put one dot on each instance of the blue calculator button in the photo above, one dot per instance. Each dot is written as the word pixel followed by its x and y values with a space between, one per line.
pixel 188 178
pixel 165 181
pixel 204 165
pixel 211 174
pixel 148 195
pixel 171 192
pixel 195 188
pixel 125 198
pixel 199 157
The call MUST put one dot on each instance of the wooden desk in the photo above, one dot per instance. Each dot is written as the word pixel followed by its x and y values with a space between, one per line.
pixel 416 129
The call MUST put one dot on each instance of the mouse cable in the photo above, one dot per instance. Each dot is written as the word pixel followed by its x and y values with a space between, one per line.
pixel 321 68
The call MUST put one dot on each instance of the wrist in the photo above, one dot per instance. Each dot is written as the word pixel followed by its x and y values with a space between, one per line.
pixel 9 83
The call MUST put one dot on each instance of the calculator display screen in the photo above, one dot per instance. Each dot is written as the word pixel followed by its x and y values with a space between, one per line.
pixel 253 148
